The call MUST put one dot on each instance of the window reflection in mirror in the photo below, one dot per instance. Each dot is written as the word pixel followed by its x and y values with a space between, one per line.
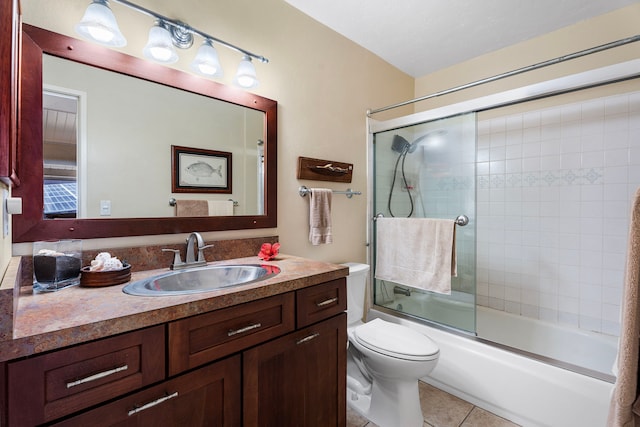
pixel 123 157
pixel 60 138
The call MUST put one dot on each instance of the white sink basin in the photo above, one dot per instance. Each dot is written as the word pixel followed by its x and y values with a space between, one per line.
pixel 201 279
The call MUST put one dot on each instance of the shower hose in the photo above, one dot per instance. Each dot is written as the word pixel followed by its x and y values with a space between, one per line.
pixel 402 156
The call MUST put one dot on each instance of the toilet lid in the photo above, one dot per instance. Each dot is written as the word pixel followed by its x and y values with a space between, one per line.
pixel 395 340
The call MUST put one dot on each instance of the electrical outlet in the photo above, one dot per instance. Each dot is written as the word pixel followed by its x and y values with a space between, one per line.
pixel 5 212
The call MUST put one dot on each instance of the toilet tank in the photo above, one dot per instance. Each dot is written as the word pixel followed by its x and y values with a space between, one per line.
pixel 356 289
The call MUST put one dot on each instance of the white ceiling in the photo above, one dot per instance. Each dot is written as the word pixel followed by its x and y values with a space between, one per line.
pixel 423 36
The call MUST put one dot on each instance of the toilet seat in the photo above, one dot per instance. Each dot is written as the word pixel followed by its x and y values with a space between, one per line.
pixel 395 340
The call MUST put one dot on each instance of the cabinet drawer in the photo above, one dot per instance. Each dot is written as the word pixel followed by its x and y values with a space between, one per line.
pixel 56 384
pixel 321 301
pixel 209 396
pixel 211 336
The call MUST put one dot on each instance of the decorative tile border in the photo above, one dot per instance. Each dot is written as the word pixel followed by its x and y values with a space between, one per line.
pixel 449 183
pixel 557 178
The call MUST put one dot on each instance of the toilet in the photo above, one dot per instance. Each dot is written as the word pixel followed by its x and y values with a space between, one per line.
pixel 384 362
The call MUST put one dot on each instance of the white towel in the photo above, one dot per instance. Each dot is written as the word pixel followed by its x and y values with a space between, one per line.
pixel 416 252
pixel 220 207
pixel 320 216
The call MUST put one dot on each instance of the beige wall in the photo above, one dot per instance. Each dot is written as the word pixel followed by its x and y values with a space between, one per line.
pixel 323 83
pixel 587 34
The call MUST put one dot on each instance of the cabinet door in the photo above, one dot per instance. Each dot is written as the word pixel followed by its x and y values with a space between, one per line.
pixel 208 396
pixel 298 379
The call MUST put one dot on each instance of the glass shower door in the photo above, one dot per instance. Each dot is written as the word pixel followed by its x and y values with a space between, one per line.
pixel 427 170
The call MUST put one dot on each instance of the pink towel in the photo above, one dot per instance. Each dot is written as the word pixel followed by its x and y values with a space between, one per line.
pixel 624 410
pixel 320 216
pixel 192 208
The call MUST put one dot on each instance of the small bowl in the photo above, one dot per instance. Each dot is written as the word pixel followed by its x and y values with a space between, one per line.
pixel 97 279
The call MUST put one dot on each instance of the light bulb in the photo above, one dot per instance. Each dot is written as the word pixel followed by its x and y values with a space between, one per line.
pixel 246 75
pixel 206 61
pixel 159 46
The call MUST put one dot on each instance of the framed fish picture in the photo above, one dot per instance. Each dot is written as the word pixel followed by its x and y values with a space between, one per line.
pixel 196 170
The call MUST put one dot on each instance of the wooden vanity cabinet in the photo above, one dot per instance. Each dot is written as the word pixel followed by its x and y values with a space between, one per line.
pixel 275 361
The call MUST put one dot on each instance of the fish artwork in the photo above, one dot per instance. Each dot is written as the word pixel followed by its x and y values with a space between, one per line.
pixel 202 169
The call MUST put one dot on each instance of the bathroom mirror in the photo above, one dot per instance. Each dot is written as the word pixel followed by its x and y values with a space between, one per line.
pixel 253 177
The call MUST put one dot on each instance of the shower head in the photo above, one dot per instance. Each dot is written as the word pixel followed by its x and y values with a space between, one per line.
pixel 402 146
pixel 399 144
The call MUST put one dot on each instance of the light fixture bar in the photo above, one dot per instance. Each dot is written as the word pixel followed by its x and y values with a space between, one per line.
pixel 182 27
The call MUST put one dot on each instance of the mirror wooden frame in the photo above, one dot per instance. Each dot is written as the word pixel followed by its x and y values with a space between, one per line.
pixel 30 225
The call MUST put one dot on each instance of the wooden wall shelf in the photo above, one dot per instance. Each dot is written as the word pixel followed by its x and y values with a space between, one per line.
pixel 324 170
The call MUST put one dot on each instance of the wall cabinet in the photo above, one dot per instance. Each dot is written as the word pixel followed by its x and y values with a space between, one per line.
pixel 279 360
pixel 9 42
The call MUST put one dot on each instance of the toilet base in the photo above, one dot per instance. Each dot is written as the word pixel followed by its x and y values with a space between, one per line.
pixel 395 403
pixel 390 403
pixel 359 402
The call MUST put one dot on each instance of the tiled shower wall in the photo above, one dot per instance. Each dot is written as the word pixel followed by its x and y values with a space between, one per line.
pixel 554 189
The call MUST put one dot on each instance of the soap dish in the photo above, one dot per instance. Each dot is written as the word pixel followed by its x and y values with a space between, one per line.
pixel 104 278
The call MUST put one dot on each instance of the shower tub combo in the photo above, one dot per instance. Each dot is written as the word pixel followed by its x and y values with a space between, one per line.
pixel 436 164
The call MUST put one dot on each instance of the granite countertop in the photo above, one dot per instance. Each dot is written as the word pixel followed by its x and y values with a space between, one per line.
pixel 78 314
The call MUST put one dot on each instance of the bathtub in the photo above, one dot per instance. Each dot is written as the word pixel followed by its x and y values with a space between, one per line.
pixel 587 352
pixel 527 389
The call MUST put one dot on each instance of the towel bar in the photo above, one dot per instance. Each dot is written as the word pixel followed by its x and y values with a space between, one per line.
pixel 172 202
pixel 303 191
pixel 461 220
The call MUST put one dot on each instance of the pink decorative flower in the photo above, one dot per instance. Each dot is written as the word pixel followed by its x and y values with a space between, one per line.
pixel 269 251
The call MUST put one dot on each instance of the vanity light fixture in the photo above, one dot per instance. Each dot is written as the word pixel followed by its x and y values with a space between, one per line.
pixel 99 25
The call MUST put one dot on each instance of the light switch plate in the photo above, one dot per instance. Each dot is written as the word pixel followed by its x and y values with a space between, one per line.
pixel 105 207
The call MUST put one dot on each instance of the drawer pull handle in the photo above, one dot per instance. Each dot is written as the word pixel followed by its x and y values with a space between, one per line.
pixel 327 302
pixel 245 329
pixel 97 376
pixel 307 338
pixel 152 404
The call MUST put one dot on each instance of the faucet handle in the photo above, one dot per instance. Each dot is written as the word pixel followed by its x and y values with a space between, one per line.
pixel 201 252
pixel 176 256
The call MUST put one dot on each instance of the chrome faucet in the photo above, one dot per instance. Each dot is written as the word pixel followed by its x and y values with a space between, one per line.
pixel 196 238
pixel 190 261
pixel 401 291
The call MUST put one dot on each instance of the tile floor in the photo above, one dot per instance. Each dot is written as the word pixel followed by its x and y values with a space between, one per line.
pixel 443 410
